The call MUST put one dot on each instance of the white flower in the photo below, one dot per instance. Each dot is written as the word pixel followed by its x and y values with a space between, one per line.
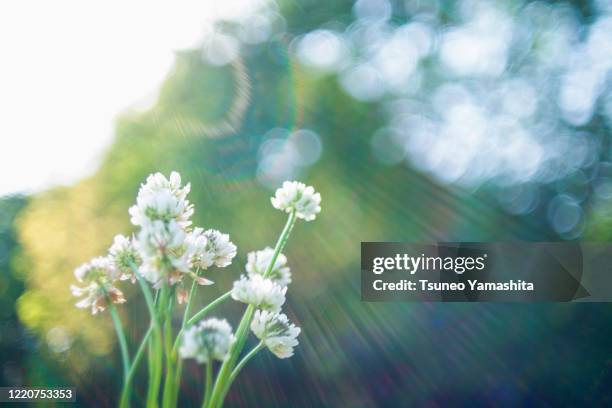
pixel 99 268
pixel 210 248
pixel 123 255
pixel 260 292
pixel 276 331
pixel 294 195
pixel 157 182
pixel 219 245
pixel 162 248
pixel 161 205
pixel 196 247
pixel 98 276
pixel 160 199
pixel 258 263
pixel 95 296
pixel 207 341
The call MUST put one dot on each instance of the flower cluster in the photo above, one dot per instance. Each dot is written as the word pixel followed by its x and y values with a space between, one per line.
pixel 207 341
pixel 268 275
pixel 166 249
pixel 169 248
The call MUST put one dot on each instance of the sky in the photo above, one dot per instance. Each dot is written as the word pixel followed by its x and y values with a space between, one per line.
pixel 69 67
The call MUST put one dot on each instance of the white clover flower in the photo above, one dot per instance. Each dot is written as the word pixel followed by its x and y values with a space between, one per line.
pixel 160 199
pixel 207 341
pixel 99 268
pixel 96 296
pixel 163 206
pixel 157 182
pixel 162 248
pixel 258 263
pixel 219 245
pixel 123 255
pixel 98 275
pixel 276 331
pixel 294 195
pixel 195 246
pixel 260 292
pixel 201 254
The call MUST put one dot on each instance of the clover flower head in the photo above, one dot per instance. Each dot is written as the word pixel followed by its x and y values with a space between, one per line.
pixel 99 268
pixel 276 331
pixel 160 199
pixel 123 255
pixel 221 247
pixel 260 292
pixel 258 262
pixel 197 244
pixel 161 205
pixel 158 182
pixel 207 341
pixel 96 296
pixel 98 276
pixel 162 248
pixel 296 196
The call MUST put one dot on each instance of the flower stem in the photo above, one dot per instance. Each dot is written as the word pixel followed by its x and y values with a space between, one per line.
pixel 179 363
pixel 125 357
pixel 186 314
pixel 155 361
pixel 169 381
pixel 208 384
pixel 245 360
pixel 127 386
pixel 204 311
pixel 224 380
pixel 282 241
pixel 222 383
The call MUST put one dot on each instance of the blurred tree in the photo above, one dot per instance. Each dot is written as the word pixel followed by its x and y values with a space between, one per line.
pixel 12 336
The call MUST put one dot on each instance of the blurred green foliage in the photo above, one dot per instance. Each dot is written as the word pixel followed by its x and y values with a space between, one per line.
pixel 11 286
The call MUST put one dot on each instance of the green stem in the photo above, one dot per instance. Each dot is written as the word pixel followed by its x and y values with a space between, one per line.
pixel 125 357
pixel 125 393
pixel 155 369
pixel 154 341
pixel 167 311
pixel 122 342
pixel 208 382
pixel 177 380
pixel 223 382
pixel 245 360
pixel 178 369
pixel 282 241
pixel 187 312
pixel 202 313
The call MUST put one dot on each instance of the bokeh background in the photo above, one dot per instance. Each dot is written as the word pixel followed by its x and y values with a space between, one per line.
pixel 467 120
